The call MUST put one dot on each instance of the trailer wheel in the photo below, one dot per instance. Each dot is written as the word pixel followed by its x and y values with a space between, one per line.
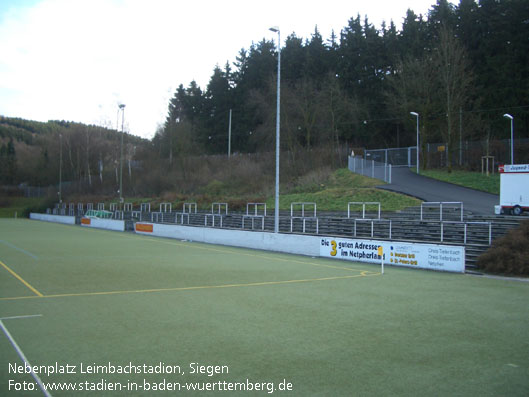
pixel 517 210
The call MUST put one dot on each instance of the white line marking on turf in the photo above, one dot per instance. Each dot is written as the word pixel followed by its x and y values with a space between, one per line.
pixel 23 357
pixel 27 316
pixel 20 249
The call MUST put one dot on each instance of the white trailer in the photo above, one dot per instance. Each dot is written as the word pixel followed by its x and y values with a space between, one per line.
pixel 514 189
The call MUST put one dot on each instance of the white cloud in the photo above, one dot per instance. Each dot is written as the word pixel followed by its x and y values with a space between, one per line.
pixel 75 60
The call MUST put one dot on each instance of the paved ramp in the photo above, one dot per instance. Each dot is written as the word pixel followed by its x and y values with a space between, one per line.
pixel 428 189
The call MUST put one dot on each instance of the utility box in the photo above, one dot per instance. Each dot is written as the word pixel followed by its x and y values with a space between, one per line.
pixel 514 189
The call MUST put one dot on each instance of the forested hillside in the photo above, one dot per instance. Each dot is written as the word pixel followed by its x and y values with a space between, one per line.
pixel 461 68
pixel 30 153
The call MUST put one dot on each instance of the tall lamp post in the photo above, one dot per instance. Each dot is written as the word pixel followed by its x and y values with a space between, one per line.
pixel 276 215
pixel 60 168
pixel 122 107
pixel 417 115
pixel 508 116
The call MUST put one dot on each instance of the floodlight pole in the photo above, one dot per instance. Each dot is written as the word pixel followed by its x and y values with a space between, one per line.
pixel 417 115
pixel 122 107
pixel 60 168
pixel 508 116
pixel 276 213
pixel 229 136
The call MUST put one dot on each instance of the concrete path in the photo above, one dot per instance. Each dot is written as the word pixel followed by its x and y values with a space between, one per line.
pixel 428 189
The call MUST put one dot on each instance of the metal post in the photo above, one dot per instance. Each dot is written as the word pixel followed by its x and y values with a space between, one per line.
pixel 417 115
pixel 506 115
pixel 460 136
pixel 60 168
pixel 276 215
pixel 229 136
pixel 122 107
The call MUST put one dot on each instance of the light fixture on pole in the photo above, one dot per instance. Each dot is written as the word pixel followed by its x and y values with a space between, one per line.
pixel 276 214
pixel 122 107
pixel 417 115
pixel 508 116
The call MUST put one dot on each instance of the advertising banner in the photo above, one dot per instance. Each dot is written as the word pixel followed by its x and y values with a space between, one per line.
pixel 446 258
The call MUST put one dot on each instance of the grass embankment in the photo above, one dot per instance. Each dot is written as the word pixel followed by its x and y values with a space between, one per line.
pixel 330 190
pixel 341 187
pixel 473 180
pixel 16 205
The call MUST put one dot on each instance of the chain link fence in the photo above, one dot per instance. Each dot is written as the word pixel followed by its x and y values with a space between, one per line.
pixel 470 154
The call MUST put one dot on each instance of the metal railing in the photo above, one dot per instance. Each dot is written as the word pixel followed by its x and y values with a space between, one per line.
pixel 189 207
pixel 363 204
pixel 219 206
pixel 465 229
pixel 253 218
pixel 304 222
pixel 370 168
pixel 256 208
pixel 372 221
pixel 212 217
pixel 440 229
pixel 165 207
pixel 440 205
pixel 292 205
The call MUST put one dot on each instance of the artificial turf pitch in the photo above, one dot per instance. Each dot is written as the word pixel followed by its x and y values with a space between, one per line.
pixel 107 300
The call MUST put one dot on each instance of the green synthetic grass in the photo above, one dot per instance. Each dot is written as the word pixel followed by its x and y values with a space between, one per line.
pixel 327 327
pixel 473 180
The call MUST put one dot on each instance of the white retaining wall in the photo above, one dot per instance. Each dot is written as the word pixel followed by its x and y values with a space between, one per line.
pixel 415 255
pixel 289 243
pixel 108 224
pixel 70 220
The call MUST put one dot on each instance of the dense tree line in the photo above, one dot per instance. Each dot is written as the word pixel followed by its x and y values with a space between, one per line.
pixel 31 153
pixel 460 67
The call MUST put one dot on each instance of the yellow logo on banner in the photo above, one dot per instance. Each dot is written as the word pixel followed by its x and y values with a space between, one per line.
pixel 333 251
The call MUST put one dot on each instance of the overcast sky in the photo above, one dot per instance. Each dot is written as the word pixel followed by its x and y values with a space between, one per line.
pixel 76 60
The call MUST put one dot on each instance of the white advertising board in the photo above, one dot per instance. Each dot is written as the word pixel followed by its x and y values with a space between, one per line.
pixel 448 258
pixel 109 224
pixel 69 220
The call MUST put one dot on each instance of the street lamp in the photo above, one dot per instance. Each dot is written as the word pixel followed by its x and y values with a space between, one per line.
pixel 276 215
pixel 122 107
pixel 417 115
pixel 508 116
